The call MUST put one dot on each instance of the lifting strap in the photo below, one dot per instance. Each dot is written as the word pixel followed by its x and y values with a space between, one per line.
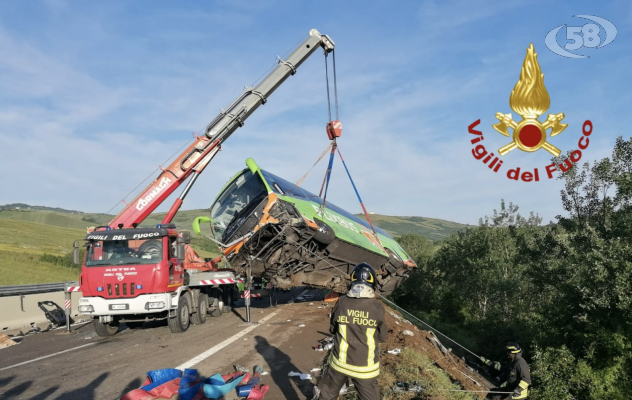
pixel 317 161
pixel 366 214
pixel 325 184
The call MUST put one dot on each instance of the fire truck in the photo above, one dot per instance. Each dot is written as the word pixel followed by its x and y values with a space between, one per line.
pixel 132 274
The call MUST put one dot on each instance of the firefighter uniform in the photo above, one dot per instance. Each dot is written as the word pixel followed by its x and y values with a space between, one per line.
pixel 358 323
pixel 514 373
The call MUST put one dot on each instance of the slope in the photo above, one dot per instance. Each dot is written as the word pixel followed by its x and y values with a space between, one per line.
pixel 430 228
pixel 32 253
pixel 23 247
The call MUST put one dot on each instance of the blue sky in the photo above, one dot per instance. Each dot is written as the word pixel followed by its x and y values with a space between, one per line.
pixel 94 95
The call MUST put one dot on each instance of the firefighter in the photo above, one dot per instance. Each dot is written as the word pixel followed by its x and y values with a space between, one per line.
pixel 514 373
pixel 358 322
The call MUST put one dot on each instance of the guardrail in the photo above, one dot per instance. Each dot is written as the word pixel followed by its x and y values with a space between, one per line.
pixel 19 304
pixel 32 289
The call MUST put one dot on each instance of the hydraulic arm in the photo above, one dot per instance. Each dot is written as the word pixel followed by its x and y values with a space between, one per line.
pixel 191 163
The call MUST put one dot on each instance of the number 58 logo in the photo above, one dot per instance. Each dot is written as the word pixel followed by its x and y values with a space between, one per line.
pixel 589 35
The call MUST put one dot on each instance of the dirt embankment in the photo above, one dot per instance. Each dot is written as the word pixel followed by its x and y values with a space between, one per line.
pixel 423 359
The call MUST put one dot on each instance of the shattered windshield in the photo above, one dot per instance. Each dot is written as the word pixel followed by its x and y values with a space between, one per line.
pixel 124 252
pixel 244 190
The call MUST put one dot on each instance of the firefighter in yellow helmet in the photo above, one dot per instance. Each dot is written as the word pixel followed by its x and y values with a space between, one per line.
pixel 514 373
pixel 358 323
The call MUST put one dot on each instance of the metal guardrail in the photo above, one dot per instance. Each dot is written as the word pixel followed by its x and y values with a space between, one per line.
pixel 32 289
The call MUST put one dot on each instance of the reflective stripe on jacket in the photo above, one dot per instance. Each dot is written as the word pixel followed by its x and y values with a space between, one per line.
pixel 515 374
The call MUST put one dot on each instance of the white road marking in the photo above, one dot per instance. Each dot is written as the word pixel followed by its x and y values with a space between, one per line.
pixel 197 359
pixel 43 357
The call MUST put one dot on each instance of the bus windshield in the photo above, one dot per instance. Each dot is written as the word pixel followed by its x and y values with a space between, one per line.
pixel 244 190
pixel 124 252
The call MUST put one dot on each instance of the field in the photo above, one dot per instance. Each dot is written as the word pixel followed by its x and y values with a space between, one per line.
pixel 430 228
pixel 23 243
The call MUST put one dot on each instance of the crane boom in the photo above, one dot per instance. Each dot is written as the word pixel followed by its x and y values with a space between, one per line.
pixel 196 157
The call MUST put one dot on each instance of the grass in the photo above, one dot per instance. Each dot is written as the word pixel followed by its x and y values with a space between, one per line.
pixel 418 367
pixel 29 237
pixel 23 268
pixel 22 243
pixel 27 234
pixel 433 229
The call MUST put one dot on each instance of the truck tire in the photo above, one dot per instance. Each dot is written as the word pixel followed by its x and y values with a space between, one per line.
pixel 180 323
pixel 105 330
pixel 228 299
pixel 218 302
pixel 202 309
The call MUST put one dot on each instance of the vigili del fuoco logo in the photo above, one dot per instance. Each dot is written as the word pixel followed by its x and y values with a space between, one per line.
pixel 529 99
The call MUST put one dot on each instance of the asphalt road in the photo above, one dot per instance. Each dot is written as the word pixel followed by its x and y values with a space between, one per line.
pixel 106 368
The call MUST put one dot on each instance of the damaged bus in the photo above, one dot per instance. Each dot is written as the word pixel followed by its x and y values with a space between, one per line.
pixel 282 232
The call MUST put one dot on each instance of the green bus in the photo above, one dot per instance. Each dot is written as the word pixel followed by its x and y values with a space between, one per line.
pixel 282 232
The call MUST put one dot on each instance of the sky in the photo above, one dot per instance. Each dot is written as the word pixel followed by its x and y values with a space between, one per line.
pixel 94 96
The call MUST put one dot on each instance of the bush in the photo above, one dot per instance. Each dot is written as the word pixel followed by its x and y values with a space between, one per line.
pixel 64 261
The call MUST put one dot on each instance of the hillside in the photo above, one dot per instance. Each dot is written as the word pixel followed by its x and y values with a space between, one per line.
pixel 430 228
pixel 22 245
pixel 28 233
pixel 26 247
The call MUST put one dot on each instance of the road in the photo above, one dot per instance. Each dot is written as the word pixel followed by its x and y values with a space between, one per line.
pixel 83 366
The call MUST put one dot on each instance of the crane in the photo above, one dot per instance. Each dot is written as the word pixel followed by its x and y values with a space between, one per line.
pixel 133 274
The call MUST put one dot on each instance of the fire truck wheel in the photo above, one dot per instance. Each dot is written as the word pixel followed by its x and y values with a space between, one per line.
pixel 218 302
pixel 180 322
pixel 202 309
pixel 105 329
pixel 228 300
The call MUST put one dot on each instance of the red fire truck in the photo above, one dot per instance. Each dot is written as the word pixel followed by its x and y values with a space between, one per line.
pixel 132 274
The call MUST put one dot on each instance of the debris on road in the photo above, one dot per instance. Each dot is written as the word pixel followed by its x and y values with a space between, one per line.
pixel 325 344
pixel 55 314
pixel 302 376
pixel 301 326
pixel 6 341
pixel 165 383
pixel 240 368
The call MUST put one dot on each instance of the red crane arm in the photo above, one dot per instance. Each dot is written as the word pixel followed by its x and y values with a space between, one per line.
pixel 197 156
pixel 194 159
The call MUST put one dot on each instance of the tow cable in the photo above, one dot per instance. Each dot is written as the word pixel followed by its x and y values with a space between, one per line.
pixel 334 131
